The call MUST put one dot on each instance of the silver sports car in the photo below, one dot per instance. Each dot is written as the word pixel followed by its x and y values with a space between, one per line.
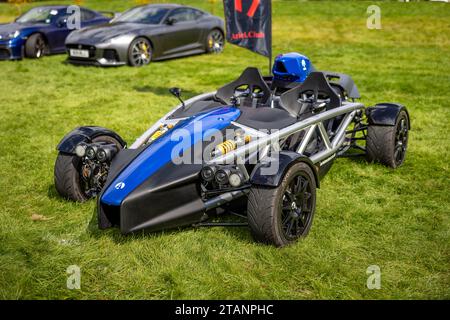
pixel 146 33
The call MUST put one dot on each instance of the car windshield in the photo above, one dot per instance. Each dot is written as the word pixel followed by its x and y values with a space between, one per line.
pixel 38 15
pixel 142 15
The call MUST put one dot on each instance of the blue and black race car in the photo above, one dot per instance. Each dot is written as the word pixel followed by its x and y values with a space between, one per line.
pixel 256 148
pixel 42 30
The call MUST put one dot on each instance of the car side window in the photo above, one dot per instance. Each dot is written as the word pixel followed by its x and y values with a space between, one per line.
pixel 183 15
pixel 198 14
pixel 87 15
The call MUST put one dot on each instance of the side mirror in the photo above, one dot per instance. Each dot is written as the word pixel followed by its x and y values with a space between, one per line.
pixel 177 93
pixel 61 22
pixel 171 21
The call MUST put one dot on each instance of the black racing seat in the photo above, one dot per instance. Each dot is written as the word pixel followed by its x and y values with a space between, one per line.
pixel 252 79
pixel 265 118
pixel 344 83
pixel 316 85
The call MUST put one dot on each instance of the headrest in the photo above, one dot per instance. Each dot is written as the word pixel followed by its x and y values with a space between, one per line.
pixel 317 84
pixel 252 78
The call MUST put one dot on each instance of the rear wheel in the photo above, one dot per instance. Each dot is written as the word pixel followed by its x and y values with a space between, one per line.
pixel 36 47
pixel 215 41
pixel 281 215
pixel 388 144
pixel 140 52
pixel 69 181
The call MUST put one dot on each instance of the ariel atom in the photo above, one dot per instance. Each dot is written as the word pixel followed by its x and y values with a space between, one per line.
pixel 259 147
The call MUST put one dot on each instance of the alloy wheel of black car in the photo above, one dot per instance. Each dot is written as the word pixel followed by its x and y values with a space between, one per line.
pixel 388 144
pixel 283 214
pixel 296 207
pixel 401 141
pixel 215 41
pixel 35 47
pixel 140 52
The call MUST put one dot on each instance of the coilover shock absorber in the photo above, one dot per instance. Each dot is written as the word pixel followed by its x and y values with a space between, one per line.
pixel 232 144
pixel 162 130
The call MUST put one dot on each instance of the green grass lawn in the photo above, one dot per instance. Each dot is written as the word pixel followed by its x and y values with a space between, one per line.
pixel 366 214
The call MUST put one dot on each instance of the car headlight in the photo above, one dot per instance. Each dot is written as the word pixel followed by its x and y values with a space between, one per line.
pixel 14 34
pixel 208 173
pixel 236 179
pixel 91 152
pixel 80 149
pixel 118 39
pixel 222 176
pixel 102 155
pixel 69 37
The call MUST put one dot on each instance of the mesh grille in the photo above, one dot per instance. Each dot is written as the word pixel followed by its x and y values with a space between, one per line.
pixel 110 54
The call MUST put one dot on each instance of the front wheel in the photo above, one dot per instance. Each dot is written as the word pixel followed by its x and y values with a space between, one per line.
pixel 77 181
pixel 215 41
pixel 140 52
pixel 35 47
pixel 388 144
pixel 281 215
pixel 68 178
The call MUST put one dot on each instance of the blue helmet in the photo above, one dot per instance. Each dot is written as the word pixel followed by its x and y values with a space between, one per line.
pixel 292 67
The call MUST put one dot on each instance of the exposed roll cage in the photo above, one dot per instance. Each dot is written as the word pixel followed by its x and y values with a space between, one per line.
pixel 315 123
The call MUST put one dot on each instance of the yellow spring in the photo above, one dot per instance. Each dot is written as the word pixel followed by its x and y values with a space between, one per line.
pixel 162 129
pixel 156 135
pixel 226 146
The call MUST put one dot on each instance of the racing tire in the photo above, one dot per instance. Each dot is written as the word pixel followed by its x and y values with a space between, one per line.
pixel 215 41
pixel 388 144
pixel 67 173
pixel 35 47
pixel 281 215
pixel 140 52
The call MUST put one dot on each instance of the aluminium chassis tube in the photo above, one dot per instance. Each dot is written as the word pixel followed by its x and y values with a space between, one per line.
pixel 332 146
pixel 264 141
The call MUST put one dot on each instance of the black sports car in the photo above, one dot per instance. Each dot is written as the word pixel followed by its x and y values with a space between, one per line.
pixel 146 33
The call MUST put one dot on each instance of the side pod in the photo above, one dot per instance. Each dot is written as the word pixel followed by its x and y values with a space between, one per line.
pixel 385 114
pixel 85 134
pixel 270 173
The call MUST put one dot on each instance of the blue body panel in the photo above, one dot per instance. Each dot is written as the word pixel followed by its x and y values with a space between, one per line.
pixel 54 35
pixel 159 153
